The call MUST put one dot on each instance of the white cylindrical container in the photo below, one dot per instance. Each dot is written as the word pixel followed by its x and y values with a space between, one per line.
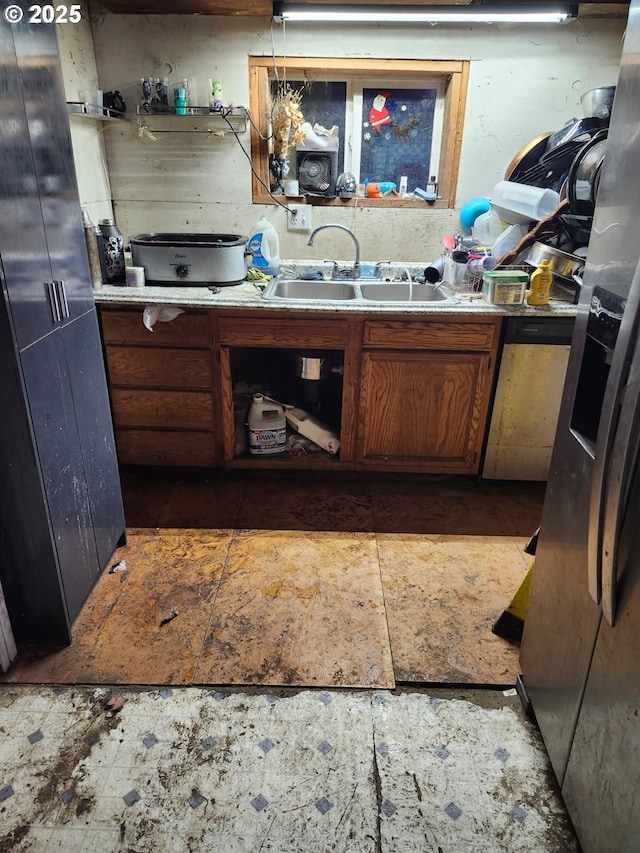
pixel 264 245
pixel 267 427
pixel 134 276
pixel 534 203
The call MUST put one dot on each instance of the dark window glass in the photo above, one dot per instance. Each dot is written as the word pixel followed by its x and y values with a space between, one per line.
pixel 323 104
pixel 397 129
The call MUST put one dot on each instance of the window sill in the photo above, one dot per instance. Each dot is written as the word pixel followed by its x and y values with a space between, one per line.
pixel 386 202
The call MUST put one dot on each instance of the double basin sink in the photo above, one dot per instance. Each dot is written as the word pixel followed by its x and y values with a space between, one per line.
pixel 362 290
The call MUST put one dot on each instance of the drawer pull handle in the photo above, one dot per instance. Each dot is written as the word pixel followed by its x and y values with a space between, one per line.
pixel 53 301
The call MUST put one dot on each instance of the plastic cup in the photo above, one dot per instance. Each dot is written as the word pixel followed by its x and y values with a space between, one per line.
pixel 434 272
pixel 478 266
pixel 534 203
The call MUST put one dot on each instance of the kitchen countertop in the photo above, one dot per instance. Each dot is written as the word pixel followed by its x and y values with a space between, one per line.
pixel 247 295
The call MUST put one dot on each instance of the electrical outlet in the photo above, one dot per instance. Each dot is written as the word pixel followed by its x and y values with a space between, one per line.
pixel 299 217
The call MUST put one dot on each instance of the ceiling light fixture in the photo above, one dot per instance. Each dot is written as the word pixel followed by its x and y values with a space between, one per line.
pixel 523 13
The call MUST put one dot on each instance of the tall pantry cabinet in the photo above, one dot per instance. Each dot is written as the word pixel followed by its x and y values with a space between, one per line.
pixel 61 514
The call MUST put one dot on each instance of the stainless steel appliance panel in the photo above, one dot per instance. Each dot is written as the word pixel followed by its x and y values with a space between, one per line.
pixel 562 618
pixel 580 652
pixel 602 774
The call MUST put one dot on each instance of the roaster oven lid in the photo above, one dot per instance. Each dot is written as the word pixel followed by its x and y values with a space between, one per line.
pixel 187 240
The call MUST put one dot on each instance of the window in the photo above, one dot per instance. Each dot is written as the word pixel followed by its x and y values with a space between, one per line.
pixel 393 118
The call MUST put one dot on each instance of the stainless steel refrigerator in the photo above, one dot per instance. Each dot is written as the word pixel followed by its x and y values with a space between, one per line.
pixel 580 652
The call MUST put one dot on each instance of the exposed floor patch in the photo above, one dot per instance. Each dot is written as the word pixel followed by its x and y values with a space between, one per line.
pixel 442 596
pixel 336 584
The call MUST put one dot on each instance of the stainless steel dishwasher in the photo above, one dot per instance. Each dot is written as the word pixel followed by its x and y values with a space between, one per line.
pixel 527 399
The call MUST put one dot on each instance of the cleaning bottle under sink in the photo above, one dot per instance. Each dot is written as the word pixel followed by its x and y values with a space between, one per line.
pixel 264 245
pixel 540 284
pixel 267 427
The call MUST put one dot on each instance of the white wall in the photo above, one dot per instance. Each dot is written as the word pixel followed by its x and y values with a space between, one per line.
pixel 75 43
pixel 523 81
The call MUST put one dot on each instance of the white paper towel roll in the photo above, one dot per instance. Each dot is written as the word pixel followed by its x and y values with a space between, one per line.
pixel 159 313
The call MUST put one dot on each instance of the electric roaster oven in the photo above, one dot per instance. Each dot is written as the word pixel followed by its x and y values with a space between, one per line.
pixel 191 260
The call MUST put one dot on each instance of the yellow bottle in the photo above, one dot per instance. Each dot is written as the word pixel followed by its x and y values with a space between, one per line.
pixel 540 285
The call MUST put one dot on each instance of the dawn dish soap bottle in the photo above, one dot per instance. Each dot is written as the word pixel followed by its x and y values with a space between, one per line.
pixel 264 245
pixel 540 285
pixel 267 427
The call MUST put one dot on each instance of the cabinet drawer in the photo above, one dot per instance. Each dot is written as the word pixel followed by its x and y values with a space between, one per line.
pixel 455 335
pixel 156 447
pixel 126 327
pixel 285 332
pixel 172 409
pixel 159 367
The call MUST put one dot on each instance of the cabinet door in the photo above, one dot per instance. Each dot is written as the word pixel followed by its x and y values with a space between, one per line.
pixel 93 417
pixel 53 420
pixel 23 246
pixel 423 409
pixel 47 119
pixel 28 565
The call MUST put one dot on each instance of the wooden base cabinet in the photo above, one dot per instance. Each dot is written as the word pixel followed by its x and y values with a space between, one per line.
pixel 162 387
pixel 425 409
pixel 414 393
pixel 268 337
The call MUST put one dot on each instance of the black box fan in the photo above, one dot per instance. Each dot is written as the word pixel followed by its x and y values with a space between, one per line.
pixel 317 172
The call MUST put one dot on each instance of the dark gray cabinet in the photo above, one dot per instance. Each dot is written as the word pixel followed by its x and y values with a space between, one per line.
pixel 86 371
pixel 61 514
pixel 47 127
pixel 25 257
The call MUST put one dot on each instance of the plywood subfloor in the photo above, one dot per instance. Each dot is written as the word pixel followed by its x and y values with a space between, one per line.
pixel 303 582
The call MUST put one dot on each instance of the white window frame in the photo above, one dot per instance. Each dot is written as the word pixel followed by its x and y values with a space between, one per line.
pixel 354 117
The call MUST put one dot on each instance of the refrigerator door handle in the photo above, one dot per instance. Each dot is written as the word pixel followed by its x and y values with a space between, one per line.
pixel 623 459
pixel 607 427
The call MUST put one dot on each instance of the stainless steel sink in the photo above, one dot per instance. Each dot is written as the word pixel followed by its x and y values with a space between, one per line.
pixel 403 292
pixel 362 290
pixel 326 291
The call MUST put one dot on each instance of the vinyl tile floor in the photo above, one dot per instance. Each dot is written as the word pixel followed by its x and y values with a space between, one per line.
pixel 246 771
pixel 315 582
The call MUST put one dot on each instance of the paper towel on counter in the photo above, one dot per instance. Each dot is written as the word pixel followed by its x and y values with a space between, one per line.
pixel 159 313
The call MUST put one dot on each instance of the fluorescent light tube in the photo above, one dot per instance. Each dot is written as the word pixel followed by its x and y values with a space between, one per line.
pixel 524 14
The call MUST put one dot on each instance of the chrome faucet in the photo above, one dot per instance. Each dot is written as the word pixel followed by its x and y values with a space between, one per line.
pixel 356 264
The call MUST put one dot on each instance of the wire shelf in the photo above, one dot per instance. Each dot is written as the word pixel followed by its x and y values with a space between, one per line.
pixel 195 120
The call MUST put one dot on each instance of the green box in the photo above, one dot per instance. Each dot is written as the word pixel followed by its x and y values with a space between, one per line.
pixel 504 287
